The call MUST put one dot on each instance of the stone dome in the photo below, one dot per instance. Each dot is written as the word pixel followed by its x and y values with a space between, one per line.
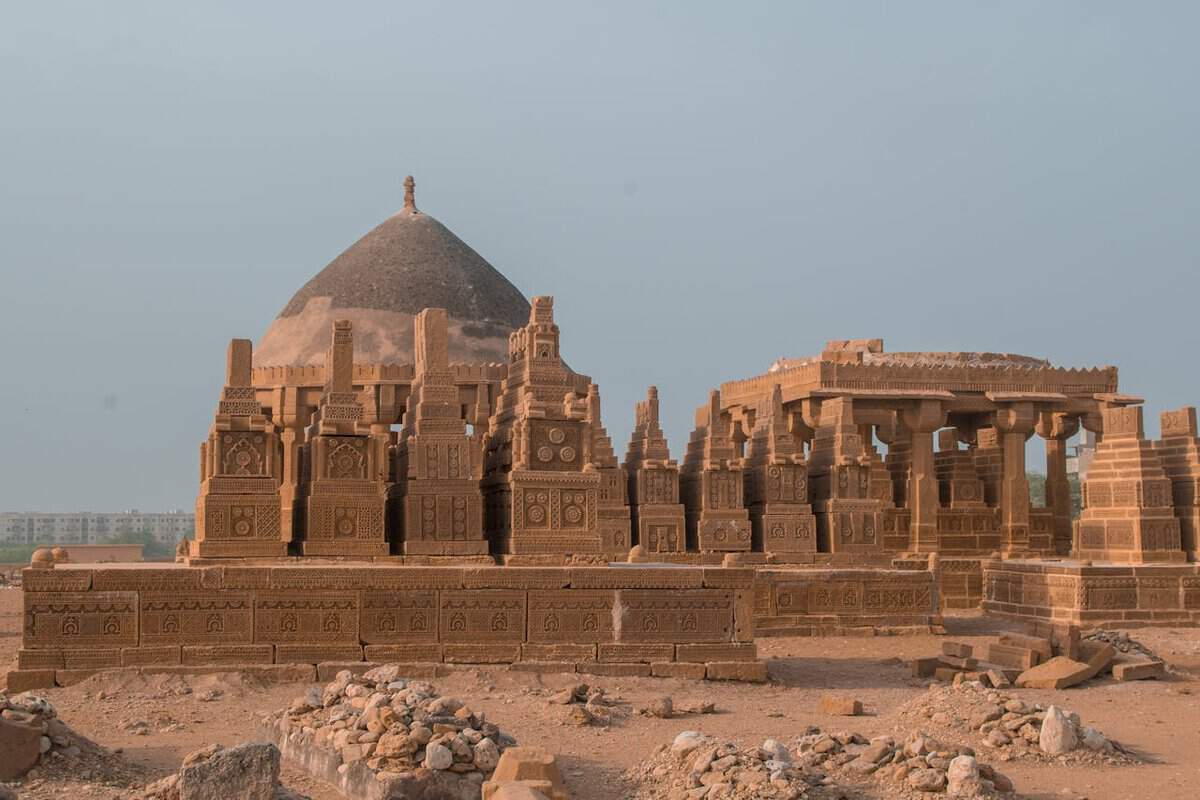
pixel 409 262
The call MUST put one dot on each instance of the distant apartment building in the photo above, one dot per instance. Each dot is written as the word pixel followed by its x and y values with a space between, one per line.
pixel 88 527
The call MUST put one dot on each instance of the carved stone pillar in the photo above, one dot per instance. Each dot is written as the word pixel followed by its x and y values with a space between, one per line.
pixel 1056 428
pixel 1015 422
pixel 292 418
pixel 921 421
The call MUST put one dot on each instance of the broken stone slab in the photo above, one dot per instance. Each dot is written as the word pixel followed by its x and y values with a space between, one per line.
pixel 1139 670
pixel 840 706
pixel 1057 673
pixel 1098 655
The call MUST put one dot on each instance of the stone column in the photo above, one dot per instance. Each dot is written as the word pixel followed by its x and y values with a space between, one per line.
pixel 292 418
pixel 1015 422
pixel 921 421
pixel 1056 428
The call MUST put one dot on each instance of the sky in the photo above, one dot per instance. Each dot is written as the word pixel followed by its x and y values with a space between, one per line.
pixel 704 187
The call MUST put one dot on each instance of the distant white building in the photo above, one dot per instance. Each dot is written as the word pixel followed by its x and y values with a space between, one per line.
pixel 1080 457
pixel 88 527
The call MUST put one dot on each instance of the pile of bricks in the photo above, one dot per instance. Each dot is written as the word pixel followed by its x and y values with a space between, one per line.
pixel 1050 657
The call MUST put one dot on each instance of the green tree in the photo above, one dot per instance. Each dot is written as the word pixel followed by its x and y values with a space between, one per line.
pixel 152 549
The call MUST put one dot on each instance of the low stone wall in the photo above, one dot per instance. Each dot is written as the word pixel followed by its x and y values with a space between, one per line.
pixel 1093 595
pixel 959 580
pixel 838 602
pixel 619 620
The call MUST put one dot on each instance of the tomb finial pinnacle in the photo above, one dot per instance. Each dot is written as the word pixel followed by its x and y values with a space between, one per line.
pixel 410 194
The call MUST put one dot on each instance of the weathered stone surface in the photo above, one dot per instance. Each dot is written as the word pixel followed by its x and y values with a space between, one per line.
pixel 248 772
pixel 527 764
pixel 1139 670
pixel 1058 733
pixel 840 706
pixel 20 747
pixel 1057 673
pixel 751 671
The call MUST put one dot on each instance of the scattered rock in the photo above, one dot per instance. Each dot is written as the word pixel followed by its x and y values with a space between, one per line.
pixel 1058 733
pixel 840 706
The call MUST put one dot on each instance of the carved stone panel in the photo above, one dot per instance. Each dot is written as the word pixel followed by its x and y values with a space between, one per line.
pixel 305 617
pixel 199 618
pixel 83 619
pixel 482 616
pixel 695 615
pixel 571 616
pixel 555 445
pixel 394 617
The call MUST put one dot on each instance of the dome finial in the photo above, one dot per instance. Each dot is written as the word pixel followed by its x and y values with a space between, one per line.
pixel 410 198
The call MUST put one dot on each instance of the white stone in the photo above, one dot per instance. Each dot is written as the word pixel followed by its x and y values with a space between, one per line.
pixel 1058 734
pixel 687 741
pixel 438 757
pixel 774 750
pixel 486 755
pixel 963 775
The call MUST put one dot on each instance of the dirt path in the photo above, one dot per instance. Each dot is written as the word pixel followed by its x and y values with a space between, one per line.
pixel 1159 720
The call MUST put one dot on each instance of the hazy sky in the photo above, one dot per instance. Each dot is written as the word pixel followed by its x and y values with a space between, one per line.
pixel 704 187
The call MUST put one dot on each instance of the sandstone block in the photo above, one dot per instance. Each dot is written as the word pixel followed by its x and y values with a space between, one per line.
pixel 616 651
pixel 1057 673
pixel 612 669
pixel 40 659
pixel 840 706
pixel 1012 656
pixel 1037 644
pixel 527 764
pixel 956 649
pixel 716 652
pixel 1098 655
pixel 403 653
pixel 481 653
pixel 959 663
pixel 558 652
pixel 752 671
pixel 542 667
pixel 1139 670
pixel 946 674
pixel 677 669
pixel 925 667
pixel 22 680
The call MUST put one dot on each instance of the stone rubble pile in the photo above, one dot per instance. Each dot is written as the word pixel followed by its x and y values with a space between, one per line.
pixel 399 729
pixel 816 765
pixel 1122 641
pixel 36 745
pixel 1010 727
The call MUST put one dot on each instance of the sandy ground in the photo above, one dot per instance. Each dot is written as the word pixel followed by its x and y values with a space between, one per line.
pixel 1158 720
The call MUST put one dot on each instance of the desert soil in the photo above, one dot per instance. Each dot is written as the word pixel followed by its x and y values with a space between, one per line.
pixel 1158 720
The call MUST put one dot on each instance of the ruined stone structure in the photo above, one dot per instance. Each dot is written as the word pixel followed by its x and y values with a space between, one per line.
pixel 422 493
pixel 439 466
pixel 777 493
pixel 237 512
pixel 657 516
pixel 917 500
pixel 541 486
pixel 1179 452
pixel 711 486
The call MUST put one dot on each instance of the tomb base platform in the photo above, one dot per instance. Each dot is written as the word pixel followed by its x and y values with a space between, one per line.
pixel 624 619
pixel 844 602
pixel 959 579
pixel 1093 595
